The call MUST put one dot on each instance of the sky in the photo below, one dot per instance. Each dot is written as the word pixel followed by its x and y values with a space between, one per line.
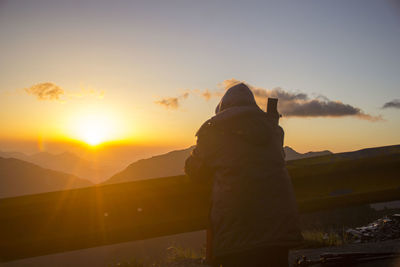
pixel 149 73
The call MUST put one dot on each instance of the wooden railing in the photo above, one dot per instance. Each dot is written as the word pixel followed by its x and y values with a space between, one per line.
pixel 54 222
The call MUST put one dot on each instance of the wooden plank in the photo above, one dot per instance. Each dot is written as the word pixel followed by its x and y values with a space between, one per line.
pixel 54 222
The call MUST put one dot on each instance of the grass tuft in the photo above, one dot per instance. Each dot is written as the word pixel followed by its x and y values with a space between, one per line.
pixel 316 239
pixel 129 263
pixel 178 253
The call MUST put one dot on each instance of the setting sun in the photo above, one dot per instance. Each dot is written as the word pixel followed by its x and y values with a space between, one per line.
pixel 94 126
pixel 93 130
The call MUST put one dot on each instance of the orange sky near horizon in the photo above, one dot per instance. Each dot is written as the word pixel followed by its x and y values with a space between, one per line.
pixel 111 120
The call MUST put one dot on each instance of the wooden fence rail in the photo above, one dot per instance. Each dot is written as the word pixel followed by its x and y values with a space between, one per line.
pixel 41 224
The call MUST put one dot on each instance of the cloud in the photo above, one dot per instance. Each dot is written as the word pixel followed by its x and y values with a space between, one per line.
pixel 86 91
pixel 279 93
pixel 45 91
pixel 185 95
pixel 169 102
pixel 318 108
pixel 299 104
pixel 229 83
pixel 172 102
pixel 392 104
pixel 175 102
pixel 291 104
pixel 207 94
pixel 51 91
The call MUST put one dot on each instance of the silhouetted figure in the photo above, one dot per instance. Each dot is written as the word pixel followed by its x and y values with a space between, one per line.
pixel 254 219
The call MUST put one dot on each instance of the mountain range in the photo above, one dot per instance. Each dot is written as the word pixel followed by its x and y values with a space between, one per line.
pixel 19 177
pixel 22 174
pixel 172 163
pixel 57 172
pixel 291 154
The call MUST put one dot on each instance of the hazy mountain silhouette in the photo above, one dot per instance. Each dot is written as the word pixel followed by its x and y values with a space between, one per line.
pixel 374 152
pixel 292 154
pixel 172 163
pixel 18 177
pixel 16 155
pixel 168 164
pixel 369 152
pixel 65 162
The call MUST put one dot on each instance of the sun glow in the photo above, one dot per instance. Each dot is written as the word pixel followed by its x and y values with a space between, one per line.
pixel 95 128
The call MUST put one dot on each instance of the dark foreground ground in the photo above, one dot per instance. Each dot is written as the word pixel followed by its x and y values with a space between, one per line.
pixel 314 254
pixel 384 246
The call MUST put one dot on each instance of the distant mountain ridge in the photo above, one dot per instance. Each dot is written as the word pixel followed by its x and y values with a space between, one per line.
pixel 172 163
pixel 374 152
pixel 292 154
pixel 168 164
pixel 369 152
pixel 18 177
pixel 65 162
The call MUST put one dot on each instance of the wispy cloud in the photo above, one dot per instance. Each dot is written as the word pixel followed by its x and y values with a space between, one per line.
pixel 291 104
pixel 168 102
pixel 45 91
pixel 172 102
pixel 86 91
pixel 392 104
pixel 229 83
pixel 175 102
pixel 51 91
pixel 185 95
pixel 207 94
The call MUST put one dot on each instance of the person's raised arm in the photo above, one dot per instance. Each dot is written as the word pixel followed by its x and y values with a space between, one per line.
pixel 199 165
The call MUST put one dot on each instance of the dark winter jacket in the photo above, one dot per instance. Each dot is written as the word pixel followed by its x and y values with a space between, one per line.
pixel 253 204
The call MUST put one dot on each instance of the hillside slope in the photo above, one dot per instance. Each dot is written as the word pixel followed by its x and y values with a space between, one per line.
pixel 65 162
pixel 335 175
pixel 18 177
pixel 365 153
pixel 169 164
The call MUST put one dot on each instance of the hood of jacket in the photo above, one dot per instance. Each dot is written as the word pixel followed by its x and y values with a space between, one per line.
pixel 237 95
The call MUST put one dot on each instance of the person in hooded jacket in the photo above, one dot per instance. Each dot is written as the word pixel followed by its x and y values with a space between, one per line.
pixel 253 215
